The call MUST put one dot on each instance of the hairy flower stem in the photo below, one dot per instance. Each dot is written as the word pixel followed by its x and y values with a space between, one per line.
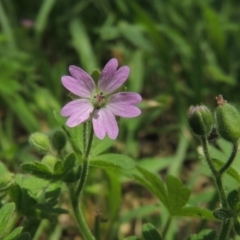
pixel 85 166
pixel 85 137
pixel 217 176
pixel 75 195
pixel 226 225
pixel 85 231
pixel 230 160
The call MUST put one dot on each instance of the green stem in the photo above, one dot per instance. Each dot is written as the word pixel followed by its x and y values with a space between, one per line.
pixel 85 131
pixel 230 160
pixel 85 231
pixel 85 165
pixel 165 230
pixel 217 176
pixel 226 225
pixel 225 229
pixel 208 158
pixel 218 183
pixel 75 195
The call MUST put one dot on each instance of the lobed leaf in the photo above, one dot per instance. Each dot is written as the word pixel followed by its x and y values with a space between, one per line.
pixel 115 162
pixel 178 194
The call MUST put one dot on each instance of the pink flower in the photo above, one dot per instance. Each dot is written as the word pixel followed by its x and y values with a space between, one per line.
pixel 100 103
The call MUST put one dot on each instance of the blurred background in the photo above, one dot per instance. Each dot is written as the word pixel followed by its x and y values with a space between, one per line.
pixel 181 53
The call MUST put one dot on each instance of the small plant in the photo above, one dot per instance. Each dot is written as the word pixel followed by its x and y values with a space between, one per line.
pixel 70 153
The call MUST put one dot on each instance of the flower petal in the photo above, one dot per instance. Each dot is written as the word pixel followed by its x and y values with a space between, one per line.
pixel 76 87
pixel 82 79
pixel 128 98
pixel 118 79
pixel 124 110
pixel 104 123
pixel 107 73
pixel 79 111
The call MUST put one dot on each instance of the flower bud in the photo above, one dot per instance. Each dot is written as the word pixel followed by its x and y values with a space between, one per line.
pixel 59 140
pixel 40 142
pixel 50 161
pixel 200 120
pixel 6 180
pixel 227 120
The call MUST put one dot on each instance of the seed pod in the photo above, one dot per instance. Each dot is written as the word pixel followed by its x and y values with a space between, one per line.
pixel 40 142
pixel 227 120
pixel 200 120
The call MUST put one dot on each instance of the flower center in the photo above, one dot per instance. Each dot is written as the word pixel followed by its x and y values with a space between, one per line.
pixel 99 100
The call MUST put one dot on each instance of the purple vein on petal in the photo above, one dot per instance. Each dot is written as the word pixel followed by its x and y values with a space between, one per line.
pixel 105 122
pixel 83 78
pixel 111 123
pixel 129 98
pixel 107 74
pixel 118 79
pixel 124 110
pixel 76 87
pixel 78 112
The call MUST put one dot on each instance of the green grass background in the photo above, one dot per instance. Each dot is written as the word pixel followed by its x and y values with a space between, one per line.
pixel 181 53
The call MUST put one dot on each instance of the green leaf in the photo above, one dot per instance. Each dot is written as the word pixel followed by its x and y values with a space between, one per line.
pixel 69 162
pixel 44 170
pixel 6 178
pixel 154 184
pixel 149 232
pixel 178 194
pixel 52 195
pixel 14 234
pixel 223 214
pixel 113 194
pixel 32 183
pixel 99 146
pixel 233 199
pixel 58 167
pixel 38 169
pixel 6 214
pixel 194 212
pixel 205 234
pixel 115 162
